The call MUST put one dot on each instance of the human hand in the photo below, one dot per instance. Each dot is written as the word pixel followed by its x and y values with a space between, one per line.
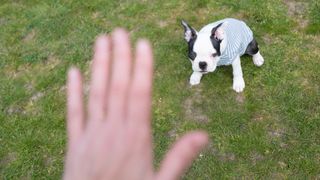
pixel 114 140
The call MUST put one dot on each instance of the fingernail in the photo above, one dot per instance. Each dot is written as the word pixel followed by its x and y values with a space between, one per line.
pixel 143 44
pixel 119 34
pixel 201 139
pixel 101 43
pixel 101 47
pixel 73 72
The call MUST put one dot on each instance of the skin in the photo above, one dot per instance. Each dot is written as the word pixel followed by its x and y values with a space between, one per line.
pixel 112 138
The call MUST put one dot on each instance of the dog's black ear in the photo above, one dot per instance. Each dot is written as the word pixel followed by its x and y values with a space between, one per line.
pixel 216 37
pixel 189 32
pixel 217 32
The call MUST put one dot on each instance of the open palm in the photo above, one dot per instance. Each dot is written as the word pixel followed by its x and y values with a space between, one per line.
pixel 112 139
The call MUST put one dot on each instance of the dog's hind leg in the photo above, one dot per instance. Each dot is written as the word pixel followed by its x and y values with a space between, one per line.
pixel 253 50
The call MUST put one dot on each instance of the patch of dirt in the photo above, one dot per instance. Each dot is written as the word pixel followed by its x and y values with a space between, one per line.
pixel 3 21
pixel 48 161
pixel 96 15
pixel 29 87
pixel 191 111
pixel 226 157
pixel 15 110
pixel 194 113
pixel 240 98
pixel 314 43
pixel 63 88
pixel 316 38
pixel 163 24
pixel 222 156
pixel 282 164
pixel 8 159
pixel 37 96
pixel 267 39
pixel 52 61
pixel 276 133
pixel 30 36
pixel 258 118
pixel 30 107
pixel 33 69
pixel 256 157
pixel 278 175
pixel 307 84
pixel 173 133
pixel 39 68
pixel 283 145
pixel 270 39
pixel 297 10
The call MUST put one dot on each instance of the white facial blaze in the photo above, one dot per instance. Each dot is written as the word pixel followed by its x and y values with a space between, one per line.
pixel 204 49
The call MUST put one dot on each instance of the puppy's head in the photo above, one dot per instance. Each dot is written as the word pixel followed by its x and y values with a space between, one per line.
pixel 204 48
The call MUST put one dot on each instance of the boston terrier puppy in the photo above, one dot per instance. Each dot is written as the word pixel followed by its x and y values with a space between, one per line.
pixel 221 43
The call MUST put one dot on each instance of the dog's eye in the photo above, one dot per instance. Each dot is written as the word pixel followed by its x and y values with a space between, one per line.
pixel 214 55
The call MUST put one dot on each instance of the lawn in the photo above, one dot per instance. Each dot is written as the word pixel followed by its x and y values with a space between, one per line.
pixel 269 131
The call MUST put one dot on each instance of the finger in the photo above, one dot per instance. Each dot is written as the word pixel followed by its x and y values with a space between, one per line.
pixel 179 158
pixel 121 67
pixel 139 105
pixel 75 114
pixel 99 80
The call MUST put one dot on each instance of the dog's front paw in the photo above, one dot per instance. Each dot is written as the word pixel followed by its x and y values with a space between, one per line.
pixel 258 59
pixel 194 80
pixel 238 84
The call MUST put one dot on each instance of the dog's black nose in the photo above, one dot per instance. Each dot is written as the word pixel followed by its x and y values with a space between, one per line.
pixel 202 65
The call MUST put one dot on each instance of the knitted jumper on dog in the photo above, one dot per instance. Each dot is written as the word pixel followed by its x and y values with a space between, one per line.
pixel 238 35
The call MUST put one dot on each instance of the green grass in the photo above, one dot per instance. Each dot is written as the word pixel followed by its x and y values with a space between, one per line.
pixel 314 25
pixel 269 131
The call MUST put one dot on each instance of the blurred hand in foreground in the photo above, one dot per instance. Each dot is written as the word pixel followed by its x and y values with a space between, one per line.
pixel 113 138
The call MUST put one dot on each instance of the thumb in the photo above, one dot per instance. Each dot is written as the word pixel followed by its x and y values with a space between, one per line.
pixel 180 156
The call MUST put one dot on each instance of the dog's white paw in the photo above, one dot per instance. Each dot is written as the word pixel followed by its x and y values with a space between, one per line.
pixel 238 84
pixel 194 80
pixel 258 59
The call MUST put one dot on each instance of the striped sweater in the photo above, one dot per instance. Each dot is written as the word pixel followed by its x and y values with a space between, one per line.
pixel 238 36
